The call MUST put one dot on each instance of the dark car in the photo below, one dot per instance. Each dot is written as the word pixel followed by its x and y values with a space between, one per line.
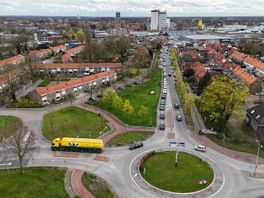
pixel 162 126
pixel 162 101
pixel 135 145
pixel 162 107
pixel 162 116
pixel 176 106
pixel 163 96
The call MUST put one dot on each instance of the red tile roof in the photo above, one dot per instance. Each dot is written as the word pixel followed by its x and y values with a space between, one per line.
pixel 244 75
pixel 229 65
pixel 77 65
pixel 12 60
pixel 66 58
pixel 73 82
pixel 74 50
pixel 192 53
pixel 238 56
pixel 198 69
pixel 40 52
pixel 254 62
pixel 58 48
pixel 7 76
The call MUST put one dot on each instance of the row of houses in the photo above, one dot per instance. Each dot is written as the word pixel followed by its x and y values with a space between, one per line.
pixel 228 65
pixel 14 60
pixel 76 68
pixel 56 92
pixel 248 61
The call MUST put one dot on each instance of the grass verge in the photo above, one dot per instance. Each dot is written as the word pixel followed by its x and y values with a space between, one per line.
pixel 96 187
pixel 184 178
pixel 131 136
pixel 35 182
pixel 8 126
pixel 73 122
pixel 137 96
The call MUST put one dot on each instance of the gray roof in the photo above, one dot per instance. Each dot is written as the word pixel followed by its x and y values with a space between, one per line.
pixel 257 113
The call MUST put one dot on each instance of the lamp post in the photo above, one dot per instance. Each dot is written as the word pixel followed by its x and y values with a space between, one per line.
pixel 256 165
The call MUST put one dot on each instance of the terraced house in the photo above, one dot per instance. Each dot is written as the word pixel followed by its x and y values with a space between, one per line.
pixel 76 68
pixel 14 60
pixel 56 92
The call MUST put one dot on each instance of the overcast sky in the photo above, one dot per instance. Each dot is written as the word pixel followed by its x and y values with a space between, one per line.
pixel 132 7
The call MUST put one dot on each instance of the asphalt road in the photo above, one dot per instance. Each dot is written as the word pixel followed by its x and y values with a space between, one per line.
pixel 117 171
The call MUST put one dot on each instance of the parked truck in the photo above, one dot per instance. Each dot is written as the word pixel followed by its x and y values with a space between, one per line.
pixel 77 145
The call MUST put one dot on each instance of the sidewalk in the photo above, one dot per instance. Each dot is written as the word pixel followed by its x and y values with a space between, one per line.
pixel 118 126
pixel 199 124
pixel 77 185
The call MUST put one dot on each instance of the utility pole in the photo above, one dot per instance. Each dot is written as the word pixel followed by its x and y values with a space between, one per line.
pixel 256 165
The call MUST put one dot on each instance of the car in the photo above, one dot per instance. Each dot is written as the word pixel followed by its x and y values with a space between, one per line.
pixel 179 117
pixel 162 126
pixel 164 91
pixel 162 101
pixel 200 148
pixel 176 106
pixel 169 74
pixel 163 96
pixel 134 145
pixel 164 86
pixel 162 107
pixel 162 115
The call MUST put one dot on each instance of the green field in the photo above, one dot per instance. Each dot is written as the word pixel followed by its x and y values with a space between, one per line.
pixel 35 182
pixel 73 122
pixel 96 187
pixel 8 126
pixel 131 136
pixel 139 95
pixel 184 178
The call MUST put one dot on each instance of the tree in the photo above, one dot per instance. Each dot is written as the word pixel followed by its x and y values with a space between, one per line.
pixel 142 57
pixel 108 96
pixel 143 112
pixel 127 108
pixel 22 143
pixel 219 98
pixel 20 43
pixel 80 35
pixel 117 101
pixel 255 87
pixel 203 83
pixel 188 72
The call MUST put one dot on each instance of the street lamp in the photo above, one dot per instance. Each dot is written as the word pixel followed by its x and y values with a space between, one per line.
pixel 256 165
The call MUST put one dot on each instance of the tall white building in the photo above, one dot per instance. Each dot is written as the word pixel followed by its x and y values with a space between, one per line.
pixel 154 20
pixel 159 21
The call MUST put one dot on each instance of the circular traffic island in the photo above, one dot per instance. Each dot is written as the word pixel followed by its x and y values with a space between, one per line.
pixel 191 174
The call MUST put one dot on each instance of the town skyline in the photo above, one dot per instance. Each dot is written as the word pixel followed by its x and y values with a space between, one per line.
pixel 131 8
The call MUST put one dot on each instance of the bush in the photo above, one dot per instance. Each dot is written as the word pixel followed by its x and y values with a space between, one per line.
pixel 237 135
pixel 25 103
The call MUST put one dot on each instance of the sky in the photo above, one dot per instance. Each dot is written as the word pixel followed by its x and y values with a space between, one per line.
pixel 132 8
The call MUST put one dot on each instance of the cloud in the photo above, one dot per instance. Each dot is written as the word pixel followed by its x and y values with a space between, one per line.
pixel 131 7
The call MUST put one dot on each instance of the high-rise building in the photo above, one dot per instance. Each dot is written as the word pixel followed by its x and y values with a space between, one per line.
pixel 154 26
pixel 118 20
pixel 159 21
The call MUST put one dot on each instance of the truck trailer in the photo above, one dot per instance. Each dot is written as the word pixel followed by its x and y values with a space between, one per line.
pixel 77 145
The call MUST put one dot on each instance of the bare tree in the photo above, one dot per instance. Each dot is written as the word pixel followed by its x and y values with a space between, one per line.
pixel 22 143
pixel 20 43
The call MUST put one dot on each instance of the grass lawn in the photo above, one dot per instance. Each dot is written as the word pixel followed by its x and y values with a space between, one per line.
pixel 44 83
pixel 8 126
pixel 243 147
pixel 184 178
pixel 139 95
pixel 96 187
pixel 73 122
pixel 35 182
pixel 125 138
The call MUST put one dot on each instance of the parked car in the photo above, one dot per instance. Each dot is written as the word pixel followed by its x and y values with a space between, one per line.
pixel 162 126
pixel 162 101
pixel 164 91
pixel 135 145
pixel 162 115
pixel 163 96
pixel 169 74
pixel 162 107
pixel 179 117
pixel 200 148
pixel 176 106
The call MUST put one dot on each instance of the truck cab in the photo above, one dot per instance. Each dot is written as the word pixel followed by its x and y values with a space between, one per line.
pixel 56 143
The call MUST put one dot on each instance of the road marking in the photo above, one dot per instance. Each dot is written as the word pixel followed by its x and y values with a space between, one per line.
pixel 220 187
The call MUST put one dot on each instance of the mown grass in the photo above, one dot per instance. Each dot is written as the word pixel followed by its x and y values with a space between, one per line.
pixel 73 122
pixel 160 171
pixel 35 182
pixel 131 136
pixel 8 126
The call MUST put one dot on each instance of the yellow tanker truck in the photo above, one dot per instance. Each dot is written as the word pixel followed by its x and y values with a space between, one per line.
pixel 77 145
